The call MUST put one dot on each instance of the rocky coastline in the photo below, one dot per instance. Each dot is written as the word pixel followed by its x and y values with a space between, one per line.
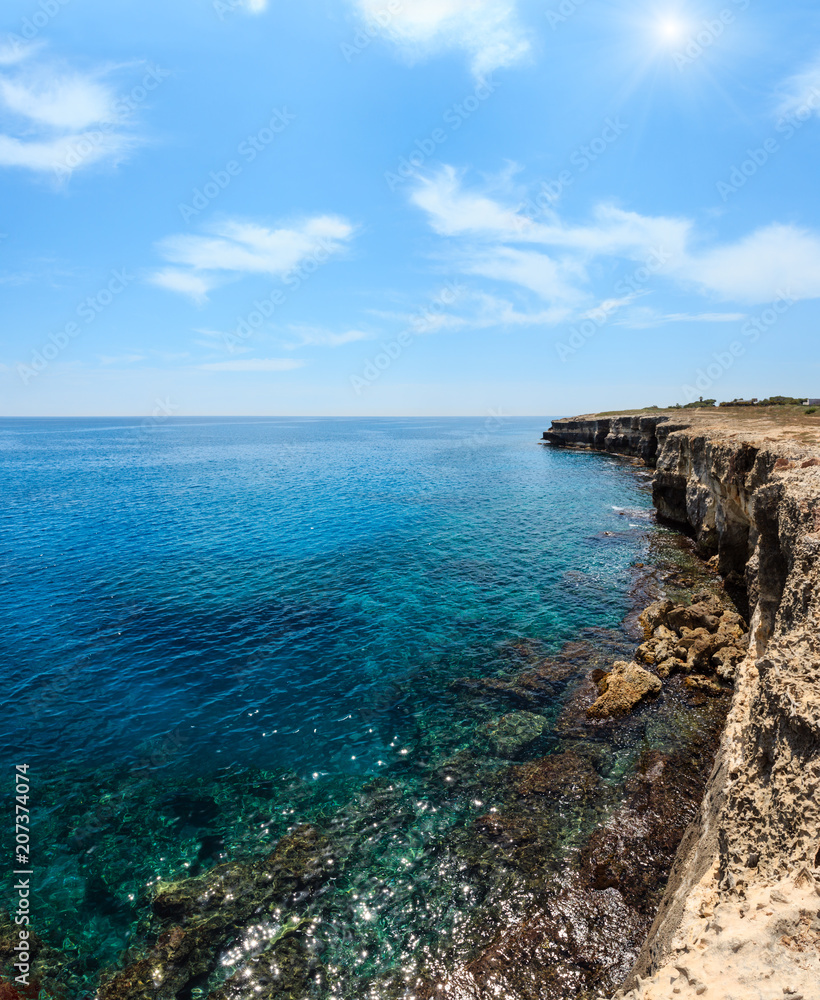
pixel 740 917
pixel 580 769
pixel 634 813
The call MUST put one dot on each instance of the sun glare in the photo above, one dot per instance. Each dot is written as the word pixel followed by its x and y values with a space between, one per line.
pixel 671 30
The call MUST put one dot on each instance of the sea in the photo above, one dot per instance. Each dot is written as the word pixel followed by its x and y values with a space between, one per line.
pixel 214 630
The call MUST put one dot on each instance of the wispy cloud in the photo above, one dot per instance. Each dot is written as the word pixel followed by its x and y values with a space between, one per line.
pixel 185 282
pixel 487 30
pixel 560 262
pixel 801 92
pixel 481 310
pixel 759 267
pixel 16 278
pixel 312 336
pixel 236 247
pixel 645 318
pixel 253 365
pixel 56 119
pixel 13 52
pixel 121 359
pixel 67 101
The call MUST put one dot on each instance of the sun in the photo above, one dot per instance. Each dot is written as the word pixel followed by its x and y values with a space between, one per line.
pixel 671 30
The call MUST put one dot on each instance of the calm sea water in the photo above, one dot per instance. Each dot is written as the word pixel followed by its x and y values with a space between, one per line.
pixel 189 605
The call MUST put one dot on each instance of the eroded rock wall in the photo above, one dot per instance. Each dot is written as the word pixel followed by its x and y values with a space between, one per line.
pixel 741 915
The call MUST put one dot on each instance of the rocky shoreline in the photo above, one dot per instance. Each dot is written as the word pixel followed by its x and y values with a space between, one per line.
pixel 741 914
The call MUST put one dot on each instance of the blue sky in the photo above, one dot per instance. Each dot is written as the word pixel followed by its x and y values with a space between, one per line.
pixel 406 206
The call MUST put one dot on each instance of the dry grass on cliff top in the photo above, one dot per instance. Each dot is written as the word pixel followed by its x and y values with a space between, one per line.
pixel 760 423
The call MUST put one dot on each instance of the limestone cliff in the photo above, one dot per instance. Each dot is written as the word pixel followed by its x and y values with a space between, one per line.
pixel 741 915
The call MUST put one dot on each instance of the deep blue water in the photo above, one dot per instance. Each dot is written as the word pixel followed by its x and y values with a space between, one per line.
pixel 206 597
pixel 252 581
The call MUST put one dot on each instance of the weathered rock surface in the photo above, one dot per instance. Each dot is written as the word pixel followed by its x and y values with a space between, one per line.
pixel 625 686
pixel 740 914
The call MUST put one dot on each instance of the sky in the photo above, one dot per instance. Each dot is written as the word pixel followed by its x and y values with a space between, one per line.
pixel 420 207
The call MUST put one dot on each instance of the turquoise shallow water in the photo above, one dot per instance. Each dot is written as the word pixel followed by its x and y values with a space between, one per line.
pixel 195 609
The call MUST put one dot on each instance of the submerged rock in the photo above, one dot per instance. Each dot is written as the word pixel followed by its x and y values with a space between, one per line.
pixel 210 911
pixel 561 775
pixel 624 687
pixel 539 680
pixel 634 851
pixel 283 971
pixel 515 732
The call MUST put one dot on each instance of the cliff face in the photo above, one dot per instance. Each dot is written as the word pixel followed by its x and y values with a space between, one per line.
pixel 741 916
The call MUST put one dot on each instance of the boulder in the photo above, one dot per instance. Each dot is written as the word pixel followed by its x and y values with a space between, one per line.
pixel 708 685
pixel 622 689
pixel 725 661
pixel 655 615
pixel 647 651
pixel 671 665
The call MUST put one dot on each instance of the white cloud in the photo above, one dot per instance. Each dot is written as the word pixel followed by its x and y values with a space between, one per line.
pixel 223 339
pixel 310 336
pixel 237 247
pixel 256 6
pixel 122 359
pixel 454 211
pixel 488 30
pixel 69 101
pixel 193 285
pixel 16 278
pixel 53 117
pixel 552 280
pixel 62 156
pixel 254 365
pixel 494 311
pixel 800 94
pixel 771 261
pixel 561 262
pixel 645 318
pixel 13 52
pixel 477 310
